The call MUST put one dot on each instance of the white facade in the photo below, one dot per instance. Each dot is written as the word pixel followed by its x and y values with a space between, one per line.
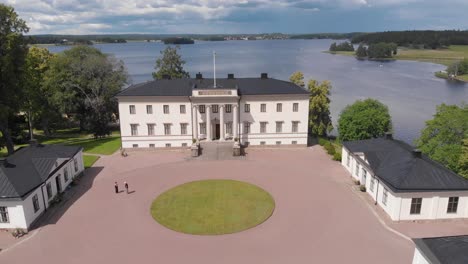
pixel 419 258
pixel 21 213
pixel 210 114
pixel 433 205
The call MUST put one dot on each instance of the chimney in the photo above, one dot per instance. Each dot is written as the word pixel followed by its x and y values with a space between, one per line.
pixel 388 136
pixel 166 77
pixel 417 153
pixel 230 75
pixel 264 75
pixel 198 76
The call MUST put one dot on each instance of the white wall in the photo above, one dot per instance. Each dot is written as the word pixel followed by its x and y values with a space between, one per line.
pixel 21 213
pixel 419 258
pixel 398 205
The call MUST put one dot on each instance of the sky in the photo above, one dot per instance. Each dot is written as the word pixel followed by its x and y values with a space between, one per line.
pixel 238 16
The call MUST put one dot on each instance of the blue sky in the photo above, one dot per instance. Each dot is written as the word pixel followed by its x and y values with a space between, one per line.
pixel 238 16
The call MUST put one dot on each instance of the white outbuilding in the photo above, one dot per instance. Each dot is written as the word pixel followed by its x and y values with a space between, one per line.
pixel 31 178
pixel 404 182
pixel 441 250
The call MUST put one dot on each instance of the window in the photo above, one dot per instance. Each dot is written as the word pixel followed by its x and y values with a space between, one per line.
pixel 372 183
pixel 184 144
pixel 135 145
pixel 214 109
pixel 295 126
pixel 167 129
pixel 262 142
pixel 416 206
pixel 452 205
pixel 229 127
pixel 364 176
pixel 49 191
pixel 149 109
pixel 132 109
pixel 134 129
pixel 385 196
pixel 183 129
pixel 348 160
pixel 65 174
pixel 75 164
pixel 296 107
pixel 202 109
pixel 4 215
pixel 294 142
pixel 228 108
pixel 203 128
pixel 279 107
pixel 263 108
pixel 150 129
pixel 247 108
pixel 152 146
pixel 35 201
pixel 182 109
pixel 263 127
pixel 166 109
pixel 278 142
pixel 168 145
pixel 246 127
pixel 357 169
pixel 279 127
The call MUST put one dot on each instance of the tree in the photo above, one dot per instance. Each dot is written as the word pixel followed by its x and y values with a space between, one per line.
pixel 361 51
pixel 464 159
pixel 37 102
pixel 13 49
pixel 333 46
pixel 442 138
pixel 297 78
pixel 363 120
pixel 320 122
pixel 170 64
pixel 86 81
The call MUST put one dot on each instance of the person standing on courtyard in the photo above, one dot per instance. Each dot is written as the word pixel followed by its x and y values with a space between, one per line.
pixel 116 186
pixel 126 186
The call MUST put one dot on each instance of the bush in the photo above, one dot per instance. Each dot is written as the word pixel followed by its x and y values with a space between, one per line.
pixel 357 182
pixel 337 156
pixel 362 188
pixel 330 148
pixel 322 141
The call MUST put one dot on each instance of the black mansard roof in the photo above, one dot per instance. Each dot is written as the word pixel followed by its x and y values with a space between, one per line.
pixel 29 167
pixel 184 87
pixel 403 169
pixel 438 250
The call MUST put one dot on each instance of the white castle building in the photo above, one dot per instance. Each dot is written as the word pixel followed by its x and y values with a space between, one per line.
pixel 171 113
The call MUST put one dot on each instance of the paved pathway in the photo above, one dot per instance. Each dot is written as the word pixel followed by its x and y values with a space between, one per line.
pixel 317 219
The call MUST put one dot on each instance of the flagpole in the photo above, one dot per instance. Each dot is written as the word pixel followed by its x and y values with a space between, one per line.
pixel 214 68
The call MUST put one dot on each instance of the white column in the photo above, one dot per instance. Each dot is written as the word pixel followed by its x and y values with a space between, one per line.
pixel 195 122
pixel 208 123
pixel 235 121
pixel 221 122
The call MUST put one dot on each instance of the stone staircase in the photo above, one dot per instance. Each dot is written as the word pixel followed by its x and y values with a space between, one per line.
pixel 217 150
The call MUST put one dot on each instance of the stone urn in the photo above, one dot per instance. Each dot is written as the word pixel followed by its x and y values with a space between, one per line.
pixel 195 149
pixel 236 149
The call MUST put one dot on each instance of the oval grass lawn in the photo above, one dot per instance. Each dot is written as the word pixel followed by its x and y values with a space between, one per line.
pixel 212 207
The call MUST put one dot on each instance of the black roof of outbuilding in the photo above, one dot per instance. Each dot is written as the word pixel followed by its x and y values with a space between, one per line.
pixel 396 164
pixel 441 250
pixel 29 167
pixel 184 87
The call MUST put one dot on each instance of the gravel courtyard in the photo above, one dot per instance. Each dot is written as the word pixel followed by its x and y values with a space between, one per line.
pixel 317 219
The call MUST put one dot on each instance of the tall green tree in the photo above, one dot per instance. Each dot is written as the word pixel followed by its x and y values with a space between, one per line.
pixel 320 123
pixel 13 49
pixel 37 102
pixel 364 120
pixel 443 137
pixel 170 64
pixel 361 51
pixel 297 78
pixel 86 81
pixel 463 171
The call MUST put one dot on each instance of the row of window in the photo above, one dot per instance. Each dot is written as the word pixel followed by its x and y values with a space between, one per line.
pixel 183 128
pixel 214 108
pixel 169 145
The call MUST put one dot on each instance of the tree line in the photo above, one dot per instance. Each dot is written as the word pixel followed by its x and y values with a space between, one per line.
pixel 379 50
pixel 427 39
pixel 343 46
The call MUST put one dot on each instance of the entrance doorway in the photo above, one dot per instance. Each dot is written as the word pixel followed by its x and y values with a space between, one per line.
pixel 58 183
pixel 217 131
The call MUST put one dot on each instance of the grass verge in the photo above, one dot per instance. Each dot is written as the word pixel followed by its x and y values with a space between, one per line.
pixel 89 160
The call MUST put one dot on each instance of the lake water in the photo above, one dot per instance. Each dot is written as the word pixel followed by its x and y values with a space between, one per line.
pixel 409 89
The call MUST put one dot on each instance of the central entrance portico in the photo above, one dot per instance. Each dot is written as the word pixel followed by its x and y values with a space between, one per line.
pixel 215 113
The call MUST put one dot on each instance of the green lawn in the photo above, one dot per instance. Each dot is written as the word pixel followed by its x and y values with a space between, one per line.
pixel 212 207
pixel 89 160
pixel 440 56
pixel 346 53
